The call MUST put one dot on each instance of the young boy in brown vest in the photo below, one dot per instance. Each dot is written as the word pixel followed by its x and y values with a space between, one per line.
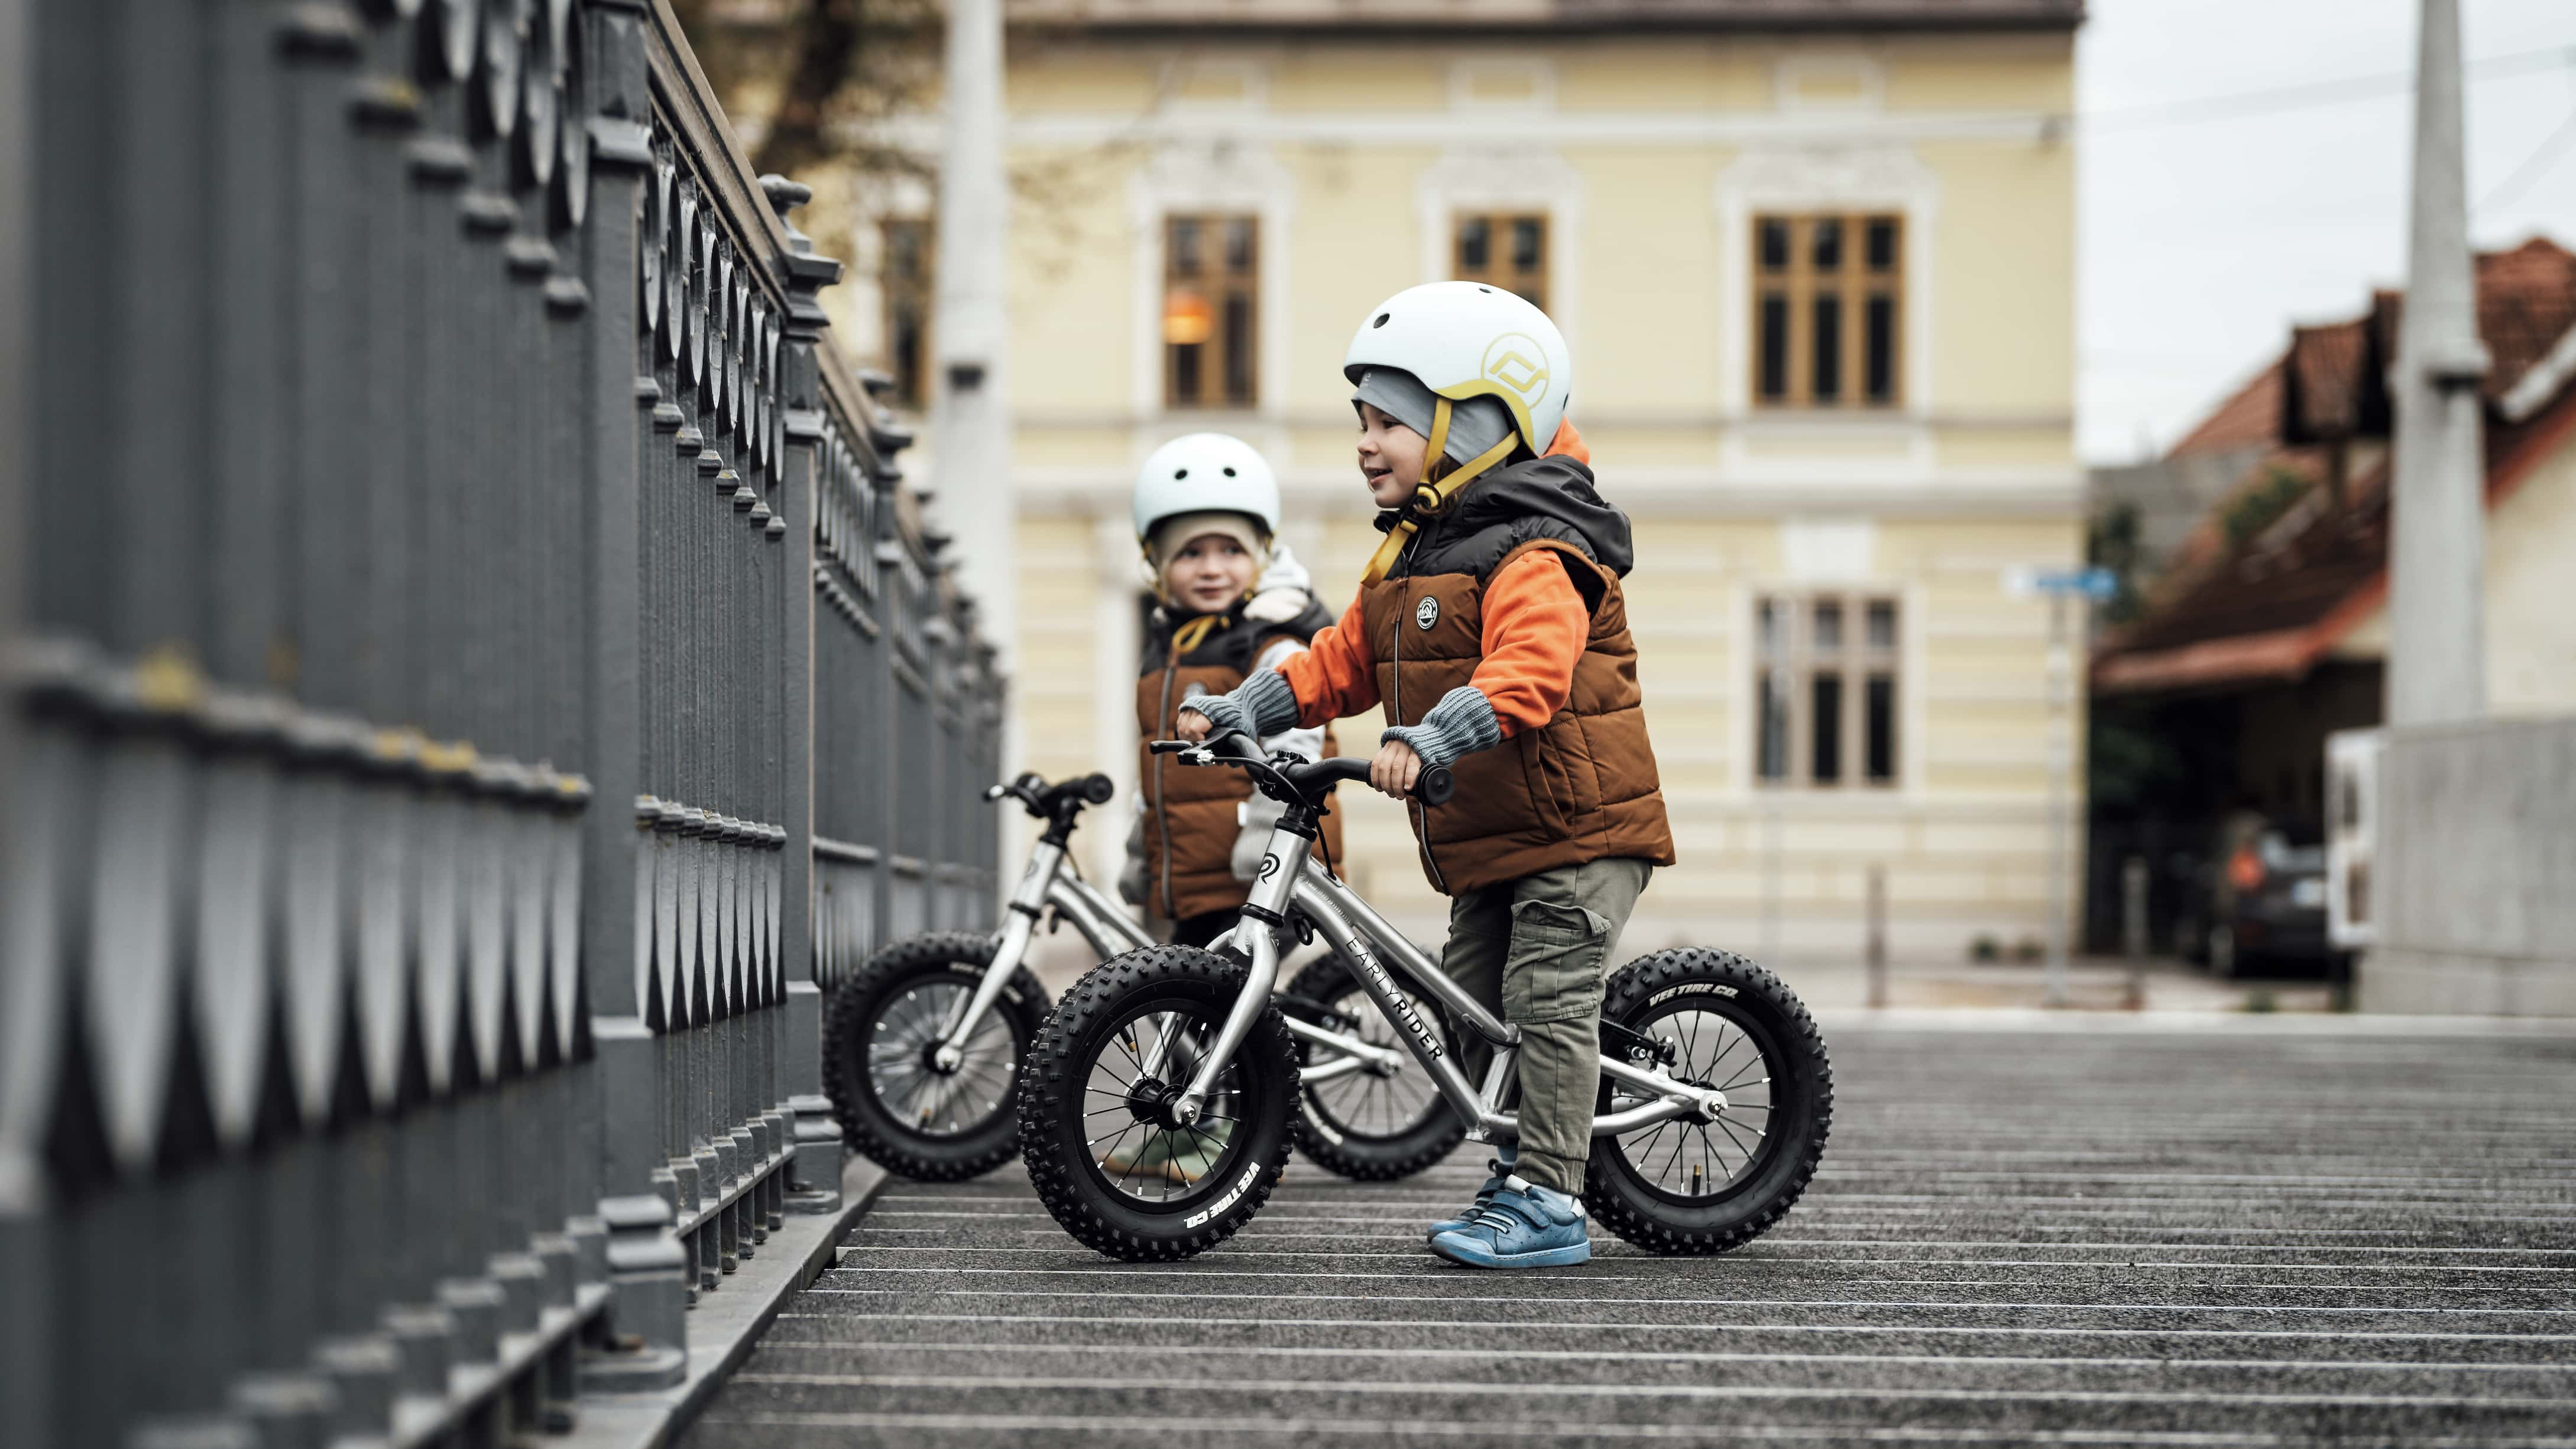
pixel 1491 628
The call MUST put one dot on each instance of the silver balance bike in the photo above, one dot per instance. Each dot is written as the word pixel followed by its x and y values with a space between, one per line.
pixel 1715 1094
pixel 924 1046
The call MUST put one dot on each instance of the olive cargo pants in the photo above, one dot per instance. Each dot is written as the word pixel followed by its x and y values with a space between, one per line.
pixel 1535 950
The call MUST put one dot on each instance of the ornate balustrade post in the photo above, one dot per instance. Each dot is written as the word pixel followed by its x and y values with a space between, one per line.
pixel 815 1186
pixel 647 1338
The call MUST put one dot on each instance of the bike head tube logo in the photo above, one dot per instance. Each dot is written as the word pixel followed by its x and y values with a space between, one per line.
pixel 1426 613
pixel 1269 868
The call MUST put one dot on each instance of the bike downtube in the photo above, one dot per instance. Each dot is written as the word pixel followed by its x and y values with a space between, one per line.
pixel 1421 1037
pixel 1322 891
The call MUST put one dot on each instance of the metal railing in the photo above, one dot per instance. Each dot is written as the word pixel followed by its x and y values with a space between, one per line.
pixel 472 671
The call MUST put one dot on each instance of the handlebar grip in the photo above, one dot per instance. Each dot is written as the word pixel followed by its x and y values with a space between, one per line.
pixel 1098 788
pixel 1434 785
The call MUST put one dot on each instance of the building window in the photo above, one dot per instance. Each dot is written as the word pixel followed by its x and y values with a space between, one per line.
pixel 1826 677
pixel 1211 303
pixel 1504 249
pixel 1829 293
pixel 904 283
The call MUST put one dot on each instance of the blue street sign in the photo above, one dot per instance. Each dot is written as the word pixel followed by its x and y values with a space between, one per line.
pixel 2097 584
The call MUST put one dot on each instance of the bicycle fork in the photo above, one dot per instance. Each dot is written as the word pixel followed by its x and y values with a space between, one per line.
pixel 1044 883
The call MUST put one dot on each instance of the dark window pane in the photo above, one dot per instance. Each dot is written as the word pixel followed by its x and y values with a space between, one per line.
pixel 1185 372
pixel 1828 244
pixel 1185 247
pixel 1882 244
pixel 1882 625
pixel 1475 244
pixel 1528 243
pixel 1238 244
pixel 1238 349
pixel 1829 627
pixel 1825 729
pixel 1879 359
pixel 1775 244
pixel 907 353
pixel 1773 745
pixel 1775 347
pixel 1881 726
pixel 1827 345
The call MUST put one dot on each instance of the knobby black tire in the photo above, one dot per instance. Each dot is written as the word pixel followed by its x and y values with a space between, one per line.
pixel 1055 1143
pixel 1336 1146
pixel 1802 1090
pixel 849 1021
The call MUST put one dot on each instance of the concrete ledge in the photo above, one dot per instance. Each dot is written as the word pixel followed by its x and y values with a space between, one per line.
pixel 727 1324
pixel 2394 978
pixel 2203 1023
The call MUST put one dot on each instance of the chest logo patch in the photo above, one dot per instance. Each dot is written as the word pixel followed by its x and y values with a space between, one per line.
pixel 1426 613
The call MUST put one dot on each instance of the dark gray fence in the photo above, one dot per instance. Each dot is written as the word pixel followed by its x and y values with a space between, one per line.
pixel 471 670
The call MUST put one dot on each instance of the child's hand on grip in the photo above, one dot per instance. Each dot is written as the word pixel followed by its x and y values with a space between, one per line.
pixel 1190 725
pixel 1395 768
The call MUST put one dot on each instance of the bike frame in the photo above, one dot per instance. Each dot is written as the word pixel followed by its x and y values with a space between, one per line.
pixel 1048 883
pixel 1371 945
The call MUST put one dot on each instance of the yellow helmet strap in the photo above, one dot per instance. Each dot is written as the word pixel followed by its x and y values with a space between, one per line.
pixel 1440 483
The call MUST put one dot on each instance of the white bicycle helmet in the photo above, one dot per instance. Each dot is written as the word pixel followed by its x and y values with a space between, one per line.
pixel 1465 340
pixel 1205 473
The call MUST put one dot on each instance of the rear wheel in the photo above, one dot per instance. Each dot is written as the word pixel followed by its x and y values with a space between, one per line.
pixel 1689 1186
pixel 1364 1125
pixel 881 1033
pixel 1110 1160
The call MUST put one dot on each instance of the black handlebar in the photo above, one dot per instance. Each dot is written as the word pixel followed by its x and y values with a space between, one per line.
pixel 1309 779
pixel 1065 797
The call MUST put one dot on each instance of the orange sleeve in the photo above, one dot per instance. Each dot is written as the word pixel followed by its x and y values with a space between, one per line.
pixel 1535 624
pixel 1337 675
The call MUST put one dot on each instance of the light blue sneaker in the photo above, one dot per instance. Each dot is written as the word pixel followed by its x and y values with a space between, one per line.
pixel 1501 1170
pixel 1522 1226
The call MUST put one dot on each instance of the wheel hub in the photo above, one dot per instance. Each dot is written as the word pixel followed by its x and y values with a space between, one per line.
pixel 942 1058
pixel 1155 1103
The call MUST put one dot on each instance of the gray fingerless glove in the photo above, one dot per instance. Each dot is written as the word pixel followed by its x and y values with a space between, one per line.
pixel 1460 724
pixel 1261 705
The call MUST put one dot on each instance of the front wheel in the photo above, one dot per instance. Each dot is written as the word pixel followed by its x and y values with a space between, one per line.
pixel 1361 1125
pixel 1110 1160
pixel 1687 1186
pixel 896 1104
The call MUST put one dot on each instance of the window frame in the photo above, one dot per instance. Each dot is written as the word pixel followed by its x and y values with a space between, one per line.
pixel 1223 285
pixel 1799 287
pixel 919 292
pixel 1497 272
pixel 1854 660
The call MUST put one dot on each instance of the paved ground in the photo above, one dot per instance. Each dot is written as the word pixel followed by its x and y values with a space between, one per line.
pixel 2161 1236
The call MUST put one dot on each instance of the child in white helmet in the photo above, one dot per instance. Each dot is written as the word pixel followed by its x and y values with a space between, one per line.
pixel 1233 601
pixel 1491 626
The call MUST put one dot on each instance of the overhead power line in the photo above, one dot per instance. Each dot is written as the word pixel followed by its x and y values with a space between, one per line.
pixel 2313 93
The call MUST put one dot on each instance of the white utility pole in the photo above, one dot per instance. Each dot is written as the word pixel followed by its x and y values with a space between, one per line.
pixel 2061 767
pixel 970 413
pixel 2437 530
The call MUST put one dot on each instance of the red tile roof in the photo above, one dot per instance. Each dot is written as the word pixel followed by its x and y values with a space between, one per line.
pixel 2229 612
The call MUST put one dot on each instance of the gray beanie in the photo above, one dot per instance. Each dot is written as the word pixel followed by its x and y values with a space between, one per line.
pixel 1474 425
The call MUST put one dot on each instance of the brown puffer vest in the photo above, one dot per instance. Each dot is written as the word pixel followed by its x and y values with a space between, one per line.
pixel 1190 824
pixel 1584 786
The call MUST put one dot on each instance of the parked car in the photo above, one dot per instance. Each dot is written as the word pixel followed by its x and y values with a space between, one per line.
pixel 2257 899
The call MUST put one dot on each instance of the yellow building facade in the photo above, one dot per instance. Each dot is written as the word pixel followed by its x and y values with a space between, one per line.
pixel 1818 280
